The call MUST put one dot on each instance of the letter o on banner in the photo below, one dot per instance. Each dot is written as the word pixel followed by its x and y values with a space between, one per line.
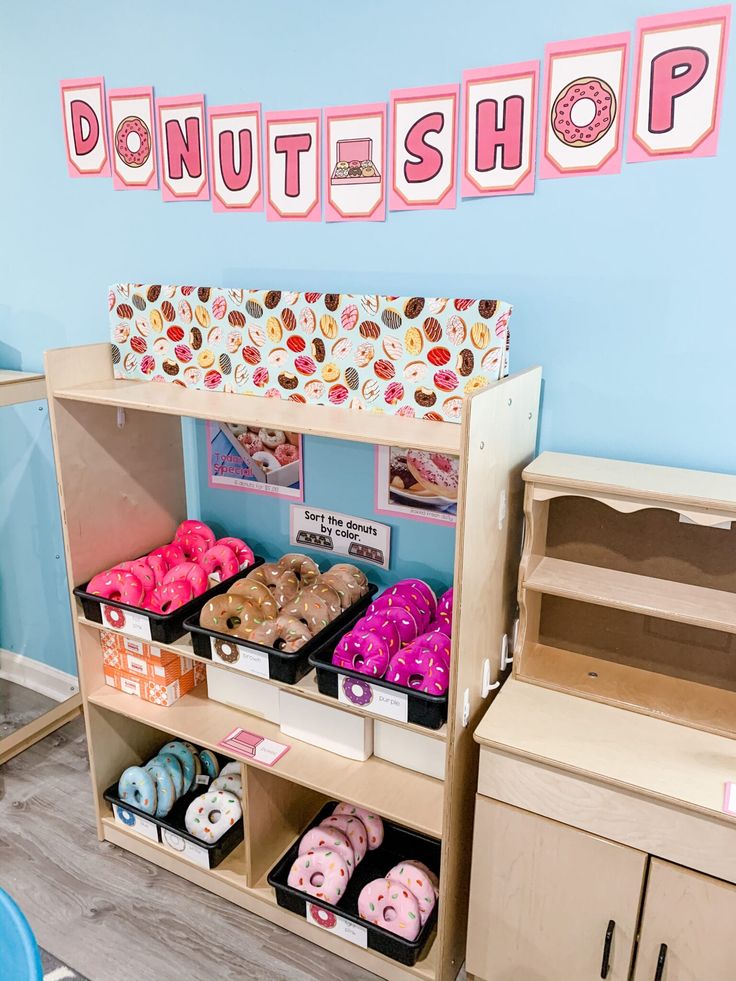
pixel 424 128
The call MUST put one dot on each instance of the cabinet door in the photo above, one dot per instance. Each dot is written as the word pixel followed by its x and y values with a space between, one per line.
pixel 695 917
pixel 542 898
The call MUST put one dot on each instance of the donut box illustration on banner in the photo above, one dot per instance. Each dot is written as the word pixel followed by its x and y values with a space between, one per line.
pixel 410 356
pixel 356 163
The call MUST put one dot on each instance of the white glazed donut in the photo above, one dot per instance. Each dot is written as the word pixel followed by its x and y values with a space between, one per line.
pixel 231 783
pixel 210 815
pixel 266 461
pixel 271 437
pixel 231 767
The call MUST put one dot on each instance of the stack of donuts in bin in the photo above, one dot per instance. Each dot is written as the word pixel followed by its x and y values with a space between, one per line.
pixel 404 638
pixel 402 901
pixel 173 574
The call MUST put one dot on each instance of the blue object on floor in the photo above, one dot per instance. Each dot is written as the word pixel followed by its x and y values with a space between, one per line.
pixel 19 956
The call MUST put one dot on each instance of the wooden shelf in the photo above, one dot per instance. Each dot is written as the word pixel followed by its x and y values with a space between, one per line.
pixel 402 795
pixel 21 386
pixel 662 598
pixel 313 420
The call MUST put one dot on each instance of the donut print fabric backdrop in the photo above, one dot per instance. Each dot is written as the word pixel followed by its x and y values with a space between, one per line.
pixel 409 356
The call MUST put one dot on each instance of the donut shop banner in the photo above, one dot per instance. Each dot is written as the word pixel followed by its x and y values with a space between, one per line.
pixel 348 163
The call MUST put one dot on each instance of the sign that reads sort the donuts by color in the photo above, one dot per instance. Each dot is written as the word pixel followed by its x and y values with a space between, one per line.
pixel 350 162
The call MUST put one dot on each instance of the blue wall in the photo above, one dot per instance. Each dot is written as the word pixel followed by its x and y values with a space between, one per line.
pixel 638 342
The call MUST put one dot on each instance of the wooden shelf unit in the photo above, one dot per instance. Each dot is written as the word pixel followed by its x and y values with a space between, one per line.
pixel 627 587
pixel 122 484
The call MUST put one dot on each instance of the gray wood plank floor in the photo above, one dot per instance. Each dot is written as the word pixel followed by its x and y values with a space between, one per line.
pixel 112 916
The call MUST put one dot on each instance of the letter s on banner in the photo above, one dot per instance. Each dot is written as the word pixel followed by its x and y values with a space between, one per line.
pixel 85 127
pixel 424 127
pixel 235 153
pixel 499 129
pixel 678 85
pixel 293 165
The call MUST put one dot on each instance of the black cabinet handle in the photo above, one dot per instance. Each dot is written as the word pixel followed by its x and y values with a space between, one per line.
pixel 660 962
pixel 606 962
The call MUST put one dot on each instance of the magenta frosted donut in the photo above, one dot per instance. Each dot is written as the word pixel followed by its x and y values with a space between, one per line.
pixel 192 527
pixel 404 621
pixel 412 586
pixel 321 837
pixel 243 552
pixel 401 601
pixel 373 823
pixel 159 566
pixel 117 584
pixel 169 597
pixel 414 876
pixel 367 653
pixel 380 624
pixel 390 905
pixel 436 642
pixel 145 573
pixel 321 873
pixel 193 545
pixel 354 828
pixel 133 125
pixel 422 671
pixel 444 605
pixel 193 573
pixel 220 559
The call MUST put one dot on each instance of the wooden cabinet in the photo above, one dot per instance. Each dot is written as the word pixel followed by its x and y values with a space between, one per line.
pixel 544 899
pixel 688 927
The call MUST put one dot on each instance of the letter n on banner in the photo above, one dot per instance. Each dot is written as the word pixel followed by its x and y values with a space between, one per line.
pixel 424 128
pixel 585 88
pixel 678 90
pixel 355 188
pixel 85 127
pixel 499 129
pixel 292 165
pixel 235 154
pixel 182 147
pixel 132 139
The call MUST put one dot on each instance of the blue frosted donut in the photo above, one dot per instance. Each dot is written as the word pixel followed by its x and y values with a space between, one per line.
pixel 186 758
pixel 173 765
pixel 136 786
pixel 165 793
pixel 209 763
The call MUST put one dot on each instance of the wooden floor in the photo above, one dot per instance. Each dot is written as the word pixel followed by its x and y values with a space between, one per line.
pixel 113 916
pixel 19 706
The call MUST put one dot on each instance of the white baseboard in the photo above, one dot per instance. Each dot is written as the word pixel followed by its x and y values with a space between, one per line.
pixel 37 676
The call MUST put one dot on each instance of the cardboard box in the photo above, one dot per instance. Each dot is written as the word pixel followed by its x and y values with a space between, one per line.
pixel 114 642
pixel 151 690
pixel 409 749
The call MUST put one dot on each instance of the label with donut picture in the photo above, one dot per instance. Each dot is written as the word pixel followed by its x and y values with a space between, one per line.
pixel 136 624
pixel 185 849
pixel 327 920
pixel 374 699
pixel 136 823
pixel 237 656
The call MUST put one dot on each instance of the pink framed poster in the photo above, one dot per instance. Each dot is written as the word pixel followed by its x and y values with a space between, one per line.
pixel 423 147
pixel 182 149
pixel 132 139
pixel 678 88
pixel 499 129
pixel 582 124
pixel 416 484
pixel 235 157
pixel 355 176
pixel 237 459
pixel 292 166
pixel 85 126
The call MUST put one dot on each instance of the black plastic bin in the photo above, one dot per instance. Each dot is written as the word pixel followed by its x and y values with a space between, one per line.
pixel 165 629
pixel 287 668
pixel 399 844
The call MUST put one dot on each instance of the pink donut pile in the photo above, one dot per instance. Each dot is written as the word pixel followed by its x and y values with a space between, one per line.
pixel 330 852
pixel 404 638
pixel 402 901
pixel 173 574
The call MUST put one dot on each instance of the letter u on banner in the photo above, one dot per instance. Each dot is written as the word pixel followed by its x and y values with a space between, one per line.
pixel 183 152
pixel 678 89
pixel 424 128
pixel 132 139
pixel 235 154
pixel 292 165
pixel 85 127
pixel 499 129
pixel 585 88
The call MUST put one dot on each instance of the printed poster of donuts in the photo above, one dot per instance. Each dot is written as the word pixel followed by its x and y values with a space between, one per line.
pixel 418 484
pixel 251 458
pixel 400 355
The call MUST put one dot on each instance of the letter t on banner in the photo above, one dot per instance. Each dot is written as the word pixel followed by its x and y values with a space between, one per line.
pixel 292 165
pixel 424 127
pixel 235 154
pixel 678 91
pixel 499 129
pixel 85 127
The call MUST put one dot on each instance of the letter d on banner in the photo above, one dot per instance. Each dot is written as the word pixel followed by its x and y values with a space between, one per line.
pixel 85 127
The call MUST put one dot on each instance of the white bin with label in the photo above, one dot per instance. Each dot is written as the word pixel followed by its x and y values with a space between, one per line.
pixel 344 733
pixel 243 691
pixel 410 749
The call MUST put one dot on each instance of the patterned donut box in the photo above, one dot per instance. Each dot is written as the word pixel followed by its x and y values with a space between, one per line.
pixel 408 356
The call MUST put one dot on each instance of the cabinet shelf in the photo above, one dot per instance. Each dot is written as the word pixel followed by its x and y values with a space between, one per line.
pixel 662 598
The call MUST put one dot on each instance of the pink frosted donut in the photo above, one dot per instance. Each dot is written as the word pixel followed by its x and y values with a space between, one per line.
pixel 380 624
pixel 148 602
pixel 354 828
pixel 243 552
pixel 133 126
pixel 251 442
pixel 321 873
pixel 192 573
pixel 286 453
pixel 373 823
pixel 160 567
pixel 145 573
pixel 194 546
pixel 390 905
pixel 367 653
pixel 191 527
pixel 169 597
pixel 117 584
pixel 172 554
pixel 422 671
pixel 321 837
pixel 220 559
pixel 414 876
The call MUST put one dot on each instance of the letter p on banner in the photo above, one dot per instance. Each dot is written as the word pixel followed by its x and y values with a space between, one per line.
pixel 678 90
pixel 85 127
